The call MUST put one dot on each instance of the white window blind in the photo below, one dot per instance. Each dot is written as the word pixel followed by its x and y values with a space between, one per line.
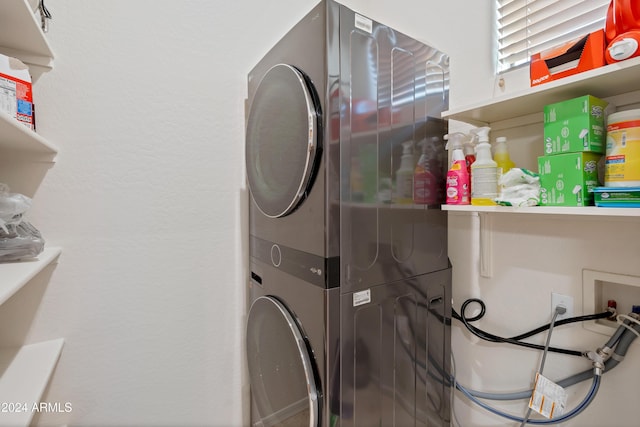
pixel 526 27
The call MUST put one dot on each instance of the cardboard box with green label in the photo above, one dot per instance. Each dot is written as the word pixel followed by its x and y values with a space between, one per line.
pixel 575 125
pixel 565 179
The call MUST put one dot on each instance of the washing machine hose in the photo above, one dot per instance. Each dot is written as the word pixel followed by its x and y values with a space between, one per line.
pixel 621 339
pixel 517 339
pixel 595 385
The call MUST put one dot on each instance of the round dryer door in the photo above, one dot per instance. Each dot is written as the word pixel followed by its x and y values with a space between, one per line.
pixel 281 370
pixel 282 141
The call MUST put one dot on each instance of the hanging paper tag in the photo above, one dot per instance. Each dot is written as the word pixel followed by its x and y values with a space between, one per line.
pixel 548 398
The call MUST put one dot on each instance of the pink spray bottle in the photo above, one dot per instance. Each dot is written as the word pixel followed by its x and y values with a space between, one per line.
pixel 458 182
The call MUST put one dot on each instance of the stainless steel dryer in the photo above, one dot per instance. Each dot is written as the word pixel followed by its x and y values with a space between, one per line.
pixel 353 264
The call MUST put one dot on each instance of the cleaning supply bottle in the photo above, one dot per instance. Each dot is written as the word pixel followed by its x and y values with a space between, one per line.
pixel 502 159
pixel 501 156
pixel 484 171
pixel 469 152
pixel 424 182
pixel 404 176
pixel 457 176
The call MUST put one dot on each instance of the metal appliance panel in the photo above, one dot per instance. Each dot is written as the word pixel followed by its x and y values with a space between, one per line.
pixel 393 89
pixel 395 353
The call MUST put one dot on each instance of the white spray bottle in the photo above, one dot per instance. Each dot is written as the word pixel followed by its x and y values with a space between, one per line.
pixel 484 171
pixel 457 176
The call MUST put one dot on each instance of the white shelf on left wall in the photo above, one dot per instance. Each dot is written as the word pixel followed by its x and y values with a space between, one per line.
pixel 14 275
pixel 25 374
pixel 17 137
pixel 25 370
pixel 22 37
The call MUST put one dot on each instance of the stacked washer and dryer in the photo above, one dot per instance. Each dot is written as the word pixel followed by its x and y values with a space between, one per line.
pixel 349 292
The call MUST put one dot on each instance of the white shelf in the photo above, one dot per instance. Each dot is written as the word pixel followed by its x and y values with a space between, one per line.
pixel 14 275
pixel 22 37
pixel 603 82
pixel 24 371
pixel 17 137
pixel 25 374
pixel 610 80
pixel 549 210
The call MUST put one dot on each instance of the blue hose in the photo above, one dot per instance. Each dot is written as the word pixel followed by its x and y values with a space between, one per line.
pixel 571 414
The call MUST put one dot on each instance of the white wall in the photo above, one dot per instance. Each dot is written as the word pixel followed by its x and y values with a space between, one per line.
pixel 146 102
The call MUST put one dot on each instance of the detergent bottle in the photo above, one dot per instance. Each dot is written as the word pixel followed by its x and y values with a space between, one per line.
pixel 457 177
pixel 484 171
pixel 404 176
pixel 424 182
pixel 622 30
pixel 502 159
pixel 501 156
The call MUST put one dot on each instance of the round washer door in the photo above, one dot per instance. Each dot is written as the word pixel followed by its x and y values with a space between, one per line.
pixel 281 370
pixel 282 140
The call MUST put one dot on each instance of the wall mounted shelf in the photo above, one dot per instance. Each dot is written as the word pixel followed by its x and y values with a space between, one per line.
pixel 18 138
pixel 25 374
pixel 549 210
pixel 24 370
pixel 603 82
pixel 22 38
pixel 14 275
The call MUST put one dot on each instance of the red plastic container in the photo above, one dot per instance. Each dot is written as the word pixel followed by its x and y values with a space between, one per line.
pixel 622 30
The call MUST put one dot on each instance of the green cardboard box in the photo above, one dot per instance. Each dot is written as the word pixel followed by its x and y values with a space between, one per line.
pixel 575 125
pixel 565 179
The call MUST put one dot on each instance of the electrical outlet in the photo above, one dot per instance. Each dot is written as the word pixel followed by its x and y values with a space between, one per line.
pixel 564 301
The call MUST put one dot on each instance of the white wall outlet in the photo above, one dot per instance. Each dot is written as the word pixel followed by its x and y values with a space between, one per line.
pixel 564 301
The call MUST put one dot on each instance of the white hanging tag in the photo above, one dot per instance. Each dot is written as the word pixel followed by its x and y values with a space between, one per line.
pixel 548 398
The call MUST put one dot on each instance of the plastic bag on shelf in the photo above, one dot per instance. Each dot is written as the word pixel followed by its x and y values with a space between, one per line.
pixel 20 242
pixel 12 207
pixel 18 238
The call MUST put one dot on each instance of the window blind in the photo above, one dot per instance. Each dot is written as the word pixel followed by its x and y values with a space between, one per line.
pixel 526 27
